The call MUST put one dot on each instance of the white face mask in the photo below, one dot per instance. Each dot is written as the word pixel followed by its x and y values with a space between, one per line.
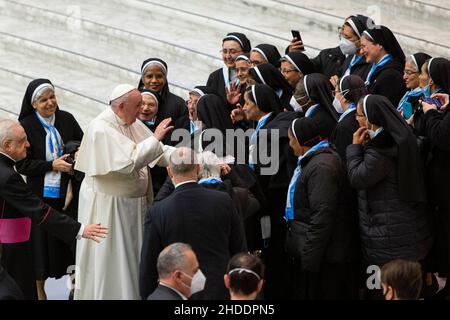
pixel 295 105
pixel 197 283
pixel 337 105
pixel 373 134
pixel 347 47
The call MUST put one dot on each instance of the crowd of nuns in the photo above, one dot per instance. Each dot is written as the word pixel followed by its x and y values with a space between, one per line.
pixel 363 152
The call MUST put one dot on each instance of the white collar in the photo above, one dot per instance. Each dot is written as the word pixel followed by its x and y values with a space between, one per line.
pixel 178 292
pixel 184 182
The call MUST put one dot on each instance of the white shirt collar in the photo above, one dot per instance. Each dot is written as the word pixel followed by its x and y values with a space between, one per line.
pixel 184 182
pixel 178 292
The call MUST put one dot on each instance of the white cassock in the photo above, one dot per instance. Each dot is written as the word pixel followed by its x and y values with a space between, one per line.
pixel 115 192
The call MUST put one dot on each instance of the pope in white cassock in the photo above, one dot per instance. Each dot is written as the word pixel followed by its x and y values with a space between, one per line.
pixel 115 153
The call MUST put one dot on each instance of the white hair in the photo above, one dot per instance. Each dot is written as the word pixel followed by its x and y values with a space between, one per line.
pixel 6 132
pixel 210 165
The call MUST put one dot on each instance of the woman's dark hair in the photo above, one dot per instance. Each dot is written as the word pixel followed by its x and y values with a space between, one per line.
pixel 405 277
pixel 245 271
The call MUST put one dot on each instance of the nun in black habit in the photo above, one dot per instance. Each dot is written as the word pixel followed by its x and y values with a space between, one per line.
pixel 223 77
pixel 154 77
pixel 322 237
pixel 294 66
pixel 382 50
pixel 145 114
pixel 316 90
pixel 263 105
pixel 265 53
pixel 436 125
pixel 49 174
pixel 349 90
pixel 269 75
pixel 354 62
pixel 384 165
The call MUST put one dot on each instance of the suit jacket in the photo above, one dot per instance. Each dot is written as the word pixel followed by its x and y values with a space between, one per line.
pixel 35 165
pixel 17 201
pixel 164 293
pixel 207 220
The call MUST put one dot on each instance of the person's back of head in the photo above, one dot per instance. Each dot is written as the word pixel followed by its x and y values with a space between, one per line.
pixel 183 165
pixel 401 280
pixel 244 277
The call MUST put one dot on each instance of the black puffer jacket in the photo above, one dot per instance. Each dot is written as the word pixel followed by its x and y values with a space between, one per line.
pixel 325 221
pixel 390 228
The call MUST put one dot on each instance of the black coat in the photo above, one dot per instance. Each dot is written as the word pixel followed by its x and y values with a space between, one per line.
pixel 174 107
pixel 437 129
pixel 203 218
pixel 35 165
pixel 19 201
pixel 390 228
pixel 342 135
pixel 9 290
pixel 217 83
pixel 164 293
pixel 324 218
pixel 388 81
pixel 329 61
pixel 360 69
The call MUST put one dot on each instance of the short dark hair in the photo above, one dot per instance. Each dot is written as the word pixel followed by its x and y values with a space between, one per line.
pixel 245 282
pixel 404 276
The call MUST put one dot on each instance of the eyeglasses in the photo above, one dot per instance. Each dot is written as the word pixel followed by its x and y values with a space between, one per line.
pixel 287 71
pixel 230 51
pixel 409 72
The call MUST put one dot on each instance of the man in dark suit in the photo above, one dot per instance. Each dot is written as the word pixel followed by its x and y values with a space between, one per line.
pixel 206 219
pixel 179 273
pixel 20 207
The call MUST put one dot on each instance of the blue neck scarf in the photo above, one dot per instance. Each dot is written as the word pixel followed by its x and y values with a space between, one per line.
pixel 289 212
pixel 355 60
pixel 375 66
pixel 412 93
pixel 350 109
pixel 210 181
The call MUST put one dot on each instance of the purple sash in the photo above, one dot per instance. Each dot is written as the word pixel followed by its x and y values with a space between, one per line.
pixel 14 230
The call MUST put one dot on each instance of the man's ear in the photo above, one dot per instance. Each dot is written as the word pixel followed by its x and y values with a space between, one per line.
pixel 226 279
pixel 169 172
pixel 389 293
pixel 260 285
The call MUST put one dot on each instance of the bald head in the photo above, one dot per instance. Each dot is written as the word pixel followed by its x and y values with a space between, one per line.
pixel 183 165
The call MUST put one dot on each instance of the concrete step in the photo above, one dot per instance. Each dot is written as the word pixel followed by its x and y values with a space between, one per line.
pixel 414 36
pixel 12 90
pixel 96 40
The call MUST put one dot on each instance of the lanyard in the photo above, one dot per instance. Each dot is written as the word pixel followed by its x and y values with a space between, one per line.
pixel 375 66
pixel 289 212
pixel 350 109
pixel 53 138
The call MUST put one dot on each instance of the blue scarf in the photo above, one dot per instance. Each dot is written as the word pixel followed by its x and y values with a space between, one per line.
pixel 350 109
pixel 289 212
pixel 210 181
pixel 311 110
pixel 412 93
pixel 54 150
pixel 375 66
pixel 355 60
pixel 254 137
